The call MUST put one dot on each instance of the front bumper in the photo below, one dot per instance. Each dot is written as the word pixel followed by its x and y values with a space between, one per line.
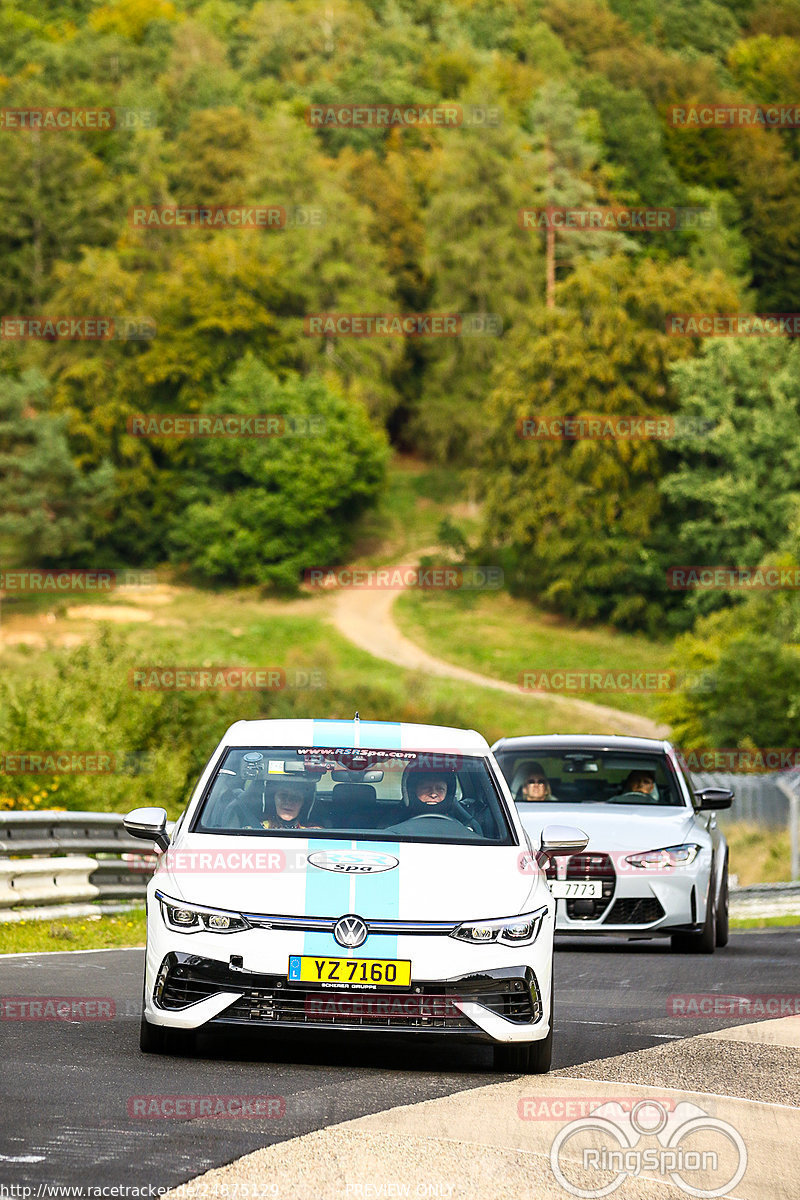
pixel 485 1007
pixel 634 902
pixel 485 993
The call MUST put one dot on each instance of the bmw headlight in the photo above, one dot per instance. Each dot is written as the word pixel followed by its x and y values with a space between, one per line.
pixel 191 918
pixel 666 859
pixel 508 931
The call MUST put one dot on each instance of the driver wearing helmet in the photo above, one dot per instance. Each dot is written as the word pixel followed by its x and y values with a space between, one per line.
pixel 289 806
pixel 433 793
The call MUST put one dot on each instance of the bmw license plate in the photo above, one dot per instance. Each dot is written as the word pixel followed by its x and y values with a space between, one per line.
pixel 350 972
pixel 576 889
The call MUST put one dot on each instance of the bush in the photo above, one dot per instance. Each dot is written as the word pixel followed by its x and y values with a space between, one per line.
pixel 263 510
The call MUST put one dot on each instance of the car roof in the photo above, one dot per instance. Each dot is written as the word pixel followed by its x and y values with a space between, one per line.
pixel 372 735
pixel 591 741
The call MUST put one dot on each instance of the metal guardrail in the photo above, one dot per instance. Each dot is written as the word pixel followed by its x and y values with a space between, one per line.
pixel 56 858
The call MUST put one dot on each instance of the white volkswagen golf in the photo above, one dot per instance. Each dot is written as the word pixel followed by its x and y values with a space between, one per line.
pixel 348 877
pixel 656 863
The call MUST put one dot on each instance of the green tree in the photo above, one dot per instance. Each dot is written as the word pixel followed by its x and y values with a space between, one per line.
pixel 734 493
pixel 578 522
pixel 261 511
pixel 46 504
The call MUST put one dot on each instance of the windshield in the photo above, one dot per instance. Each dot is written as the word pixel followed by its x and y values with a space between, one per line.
pixel 580 776
pixel 399 795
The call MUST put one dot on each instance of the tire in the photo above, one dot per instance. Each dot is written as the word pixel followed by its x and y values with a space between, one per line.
pixel 722 908
pixel 528 1058
pixel 705 941
pixel 157 1039
pixel 151 1038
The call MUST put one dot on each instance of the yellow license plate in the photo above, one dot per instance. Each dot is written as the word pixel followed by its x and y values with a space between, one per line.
pixel 350 972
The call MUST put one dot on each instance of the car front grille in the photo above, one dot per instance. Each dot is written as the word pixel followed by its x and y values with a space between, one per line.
pixel 269 1000
pixel 591 866
pixel 635 911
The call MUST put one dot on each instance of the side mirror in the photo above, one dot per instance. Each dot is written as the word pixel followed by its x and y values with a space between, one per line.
pixel 559 840
pixel 713 797
pixel 150 824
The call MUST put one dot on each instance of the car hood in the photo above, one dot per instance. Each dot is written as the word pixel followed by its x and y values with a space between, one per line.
pixel 616 826
pixel 273 876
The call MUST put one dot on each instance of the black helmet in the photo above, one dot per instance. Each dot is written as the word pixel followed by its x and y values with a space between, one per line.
pixel 303 788
pixel 413 776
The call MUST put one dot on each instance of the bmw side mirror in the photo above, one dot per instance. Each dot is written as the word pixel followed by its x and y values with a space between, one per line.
pixel 150 824
pixel 713 798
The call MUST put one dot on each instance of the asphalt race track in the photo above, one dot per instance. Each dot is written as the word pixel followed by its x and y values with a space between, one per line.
pixel 65 1086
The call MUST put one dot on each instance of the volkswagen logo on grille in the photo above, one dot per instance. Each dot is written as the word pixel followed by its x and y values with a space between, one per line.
pixel 350 931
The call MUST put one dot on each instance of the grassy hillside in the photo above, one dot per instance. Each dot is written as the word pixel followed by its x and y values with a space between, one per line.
pixel 500 636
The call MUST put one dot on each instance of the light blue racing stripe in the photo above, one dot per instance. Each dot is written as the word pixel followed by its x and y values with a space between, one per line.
pixel 328 892
pixel 378 896
pixel 373 735
pixel 334 733
pixel 327 895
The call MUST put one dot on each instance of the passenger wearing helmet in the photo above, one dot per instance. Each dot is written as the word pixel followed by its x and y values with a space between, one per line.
pixel 289 805
pixel 433 793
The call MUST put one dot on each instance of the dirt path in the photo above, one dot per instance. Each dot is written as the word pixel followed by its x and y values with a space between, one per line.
pixel 365 618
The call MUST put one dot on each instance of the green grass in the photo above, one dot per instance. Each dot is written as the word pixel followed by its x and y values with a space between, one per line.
pixel 417 499
pixel 93 706
pixel 500 636
pixel 83 933
pixel 758 855
pixel 765 922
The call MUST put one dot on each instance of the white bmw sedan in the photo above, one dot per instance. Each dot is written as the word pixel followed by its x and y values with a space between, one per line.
pixel 348 877
pixel 656 863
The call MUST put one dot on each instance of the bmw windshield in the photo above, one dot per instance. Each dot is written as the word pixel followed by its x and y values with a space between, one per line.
pixel 583 776
pixel 370 794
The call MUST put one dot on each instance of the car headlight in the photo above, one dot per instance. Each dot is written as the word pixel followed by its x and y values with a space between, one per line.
pixel 670 856
pixel 191 918
pixel 509 931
